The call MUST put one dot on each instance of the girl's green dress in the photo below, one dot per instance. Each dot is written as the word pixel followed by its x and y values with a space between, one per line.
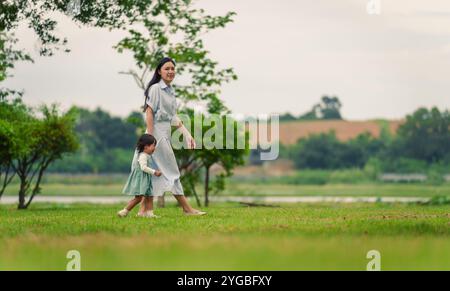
pixel 139 182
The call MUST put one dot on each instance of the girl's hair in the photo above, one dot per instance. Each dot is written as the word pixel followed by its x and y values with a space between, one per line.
pixel 156 78
pixel 145 140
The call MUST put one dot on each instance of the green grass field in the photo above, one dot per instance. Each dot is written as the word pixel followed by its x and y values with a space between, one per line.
pixel 112 184
pixel 230 237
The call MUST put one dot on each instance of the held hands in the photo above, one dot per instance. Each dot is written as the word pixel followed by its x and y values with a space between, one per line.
pixel 157 173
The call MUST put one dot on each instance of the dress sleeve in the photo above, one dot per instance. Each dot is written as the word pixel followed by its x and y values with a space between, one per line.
pixel 153 98
pixel 143 164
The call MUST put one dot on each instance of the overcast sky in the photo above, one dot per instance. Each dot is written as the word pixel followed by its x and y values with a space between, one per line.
pixel 286 53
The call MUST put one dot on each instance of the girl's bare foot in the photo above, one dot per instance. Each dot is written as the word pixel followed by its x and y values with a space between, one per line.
pixel 148 214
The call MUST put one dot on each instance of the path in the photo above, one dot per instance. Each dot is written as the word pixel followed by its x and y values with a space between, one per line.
pixel 249 199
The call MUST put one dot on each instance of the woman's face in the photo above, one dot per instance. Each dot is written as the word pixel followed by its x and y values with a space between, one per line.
pixel 168 72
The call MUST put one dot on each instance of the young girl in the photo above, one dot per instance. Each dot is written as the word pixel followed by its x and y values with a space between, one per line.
pixel 139 183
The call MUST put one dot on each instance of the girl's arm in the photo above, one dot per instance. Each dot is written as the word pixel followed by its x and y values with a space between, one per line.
pixel 143 164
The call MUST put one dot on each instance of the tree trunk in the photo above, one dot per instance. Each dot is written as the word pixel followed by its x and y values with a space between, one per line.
pixel 161 201
pixel 22 204
pixel 36 189
pixel 206 186
pixel 199 204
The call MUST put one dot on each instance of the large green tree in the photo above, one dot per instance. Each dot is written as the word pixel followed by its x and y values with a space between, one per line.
pixel 30 142
pixel 328 108
pixel 425 135
pixel 226 146
pixel 45 139
pixel 156 29
pixel 177 34
pixel 13 114
pixel 105 142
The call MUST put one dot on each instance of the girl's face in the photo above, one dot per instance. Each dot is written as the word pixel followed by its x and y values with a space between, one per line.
pixel 149 149
pixel 167 72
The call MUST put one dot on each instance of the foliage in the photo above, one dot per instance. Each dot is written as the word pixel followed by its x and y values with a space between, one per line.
pixel 193 163
pixel 325 151
pixel 424 136
pixel 422 145
pixel 106 142
pixel 13 113
pixel 177 34
pixel 328 108
pixel 32 144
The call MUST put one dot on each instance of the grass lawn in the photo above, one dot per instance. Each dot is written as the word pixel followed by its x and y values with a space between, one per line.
pixel 378 190
pixel 230 237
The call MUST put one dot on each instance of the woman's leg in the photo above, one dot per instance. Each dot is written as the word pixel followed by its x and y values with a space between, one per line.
pixel 184 203
pixel 133 203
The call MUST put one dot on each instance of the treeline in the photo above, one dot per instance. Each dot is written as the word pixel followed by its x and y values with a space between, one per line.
pixel 328 108
pixel 422 143
pixel 106 143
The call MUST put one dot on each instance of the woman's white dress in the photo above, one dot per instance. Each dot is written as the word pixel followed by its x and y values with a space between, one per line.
pixel 161 99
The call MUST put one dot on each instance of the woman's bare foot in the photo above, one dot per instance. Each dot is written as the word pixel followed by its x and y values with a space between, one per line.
pixel 194 212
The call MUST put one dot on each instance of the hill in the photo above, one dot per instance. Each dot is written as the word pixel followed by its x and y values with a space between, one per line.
pixel 291 131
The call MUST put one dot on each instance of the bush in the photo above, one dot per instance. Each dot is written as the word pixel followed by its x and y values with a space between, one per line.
pixel 404 165
pixel 325 151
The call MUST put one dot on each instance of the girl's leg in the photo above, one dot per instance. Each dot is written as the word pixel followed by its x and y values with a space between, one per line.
pixel 147 204
pixel 124 212
pixel 133 202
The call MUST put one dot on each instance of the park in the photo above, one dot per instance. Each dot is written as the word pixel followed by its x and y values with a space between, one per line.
pixel 356 179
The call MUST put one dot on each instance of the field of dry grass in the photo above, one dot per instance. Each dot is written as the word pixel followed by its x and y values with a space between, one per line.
pixel 291 131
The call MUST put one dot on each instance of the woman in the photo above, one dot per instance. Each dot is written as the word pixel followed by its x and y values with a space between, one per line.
pixel 160 109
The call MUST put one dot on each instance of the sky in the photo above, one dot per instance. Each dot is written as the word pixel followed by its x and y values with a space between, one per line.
pixel 287 55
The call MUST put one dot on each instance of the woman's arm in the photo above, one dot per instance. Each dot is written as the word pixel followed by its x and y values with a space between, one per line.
pixel 180 126
pixel 176 121
pixel 149 120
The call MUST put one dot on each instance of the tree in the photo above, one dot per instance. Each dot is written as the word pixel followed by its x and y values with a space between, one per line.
pixel 8 56
pixel 155 27
pixel 177 34
pixel 13 113
pixel 37 15
pixel 318 151
pixel 424 136
pixel 194 163
pixel 105 142
pixel 101 131
pixel 287 117
pixel 328 108
pixel 7 147
pixel 45 140
pixel 325 151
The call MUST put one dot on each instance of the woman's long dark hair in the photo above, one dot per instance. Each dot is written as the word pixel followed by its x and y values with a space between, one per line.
pixel 145 140
pixel 156 78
